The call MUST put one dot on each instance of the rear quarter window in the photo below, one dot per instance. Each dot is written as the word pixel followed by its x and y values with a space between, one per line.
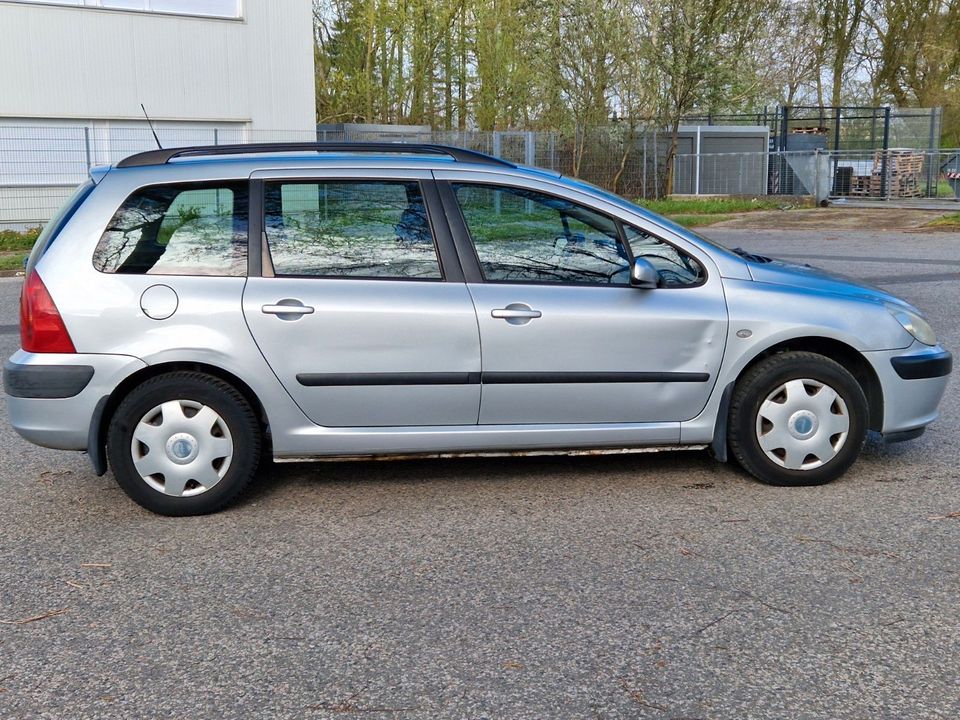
pixel 178 229
pixel 55 225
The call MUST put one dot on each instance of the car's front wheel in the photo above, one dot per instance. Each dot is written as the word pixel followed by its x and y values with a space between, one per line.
pixel 797 418
pixel 184 443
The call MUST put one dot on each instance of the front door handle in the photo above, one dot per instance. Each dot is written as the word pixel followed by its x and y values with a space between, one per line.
pixel 288 308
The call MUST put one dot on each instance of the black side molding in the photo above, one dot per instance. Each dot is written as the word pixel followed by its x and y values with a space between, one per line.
pixel 493 378
pixel 411 378
pixel 919 367
pixel 519 378
pixel 45 381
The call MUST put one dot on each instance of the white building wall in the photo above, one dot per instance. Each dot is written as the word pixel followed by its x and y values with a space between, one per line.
pixel 72 80
pixel 86 63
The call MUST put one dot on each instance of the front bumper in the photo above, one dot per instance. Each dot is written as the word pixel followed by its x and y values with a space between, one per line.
pixel 923 365
pixel 52 397
pixel 913 382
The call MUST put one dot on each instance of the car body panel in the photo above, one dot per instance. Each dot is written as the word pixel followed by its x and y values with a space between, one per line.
pixel 361 329
pixel 676 337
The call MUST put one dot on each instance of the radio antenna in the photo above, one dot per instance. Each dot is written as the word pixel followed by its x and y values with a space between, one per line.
pixel 150 123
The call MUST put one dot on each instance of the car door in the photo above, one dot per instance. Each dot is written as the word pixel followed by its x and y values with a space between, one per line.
pixel 360 308
pixel 565 338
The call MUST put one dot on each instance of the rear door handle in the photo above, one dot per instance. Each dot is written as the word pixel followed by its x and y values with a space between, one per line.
pixel 287 307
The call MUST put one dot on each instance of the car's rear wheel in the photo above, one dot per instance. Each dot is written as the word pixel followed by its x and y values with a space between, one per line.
pixel 184 443
pixel 797 418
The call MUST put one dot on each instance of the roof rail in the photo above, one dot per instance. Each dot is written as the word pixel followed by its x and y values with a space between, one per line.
pixel 161 157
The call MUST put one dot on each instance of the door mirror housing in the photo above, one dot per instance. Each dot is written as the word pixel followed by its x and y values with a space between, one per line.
pixel 644 275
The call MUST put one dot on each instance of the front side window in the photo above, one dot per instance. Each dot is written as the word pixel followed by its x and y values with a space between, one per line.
pixel 675 268
pixel 527 236
pixel 344 229
pixel 179 229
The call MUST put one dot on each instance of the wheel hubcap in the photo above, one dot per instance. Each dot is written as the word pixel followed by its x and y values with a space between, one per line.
pixel 802 424
pixel 181 448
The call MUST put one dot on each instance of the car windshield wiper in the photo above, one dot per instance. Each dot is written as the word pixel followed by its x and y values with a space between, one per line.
pixel 751 257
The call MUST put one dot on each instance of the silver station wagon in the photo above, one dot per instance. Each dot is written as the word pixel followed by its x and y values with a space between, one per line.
pixel 192 310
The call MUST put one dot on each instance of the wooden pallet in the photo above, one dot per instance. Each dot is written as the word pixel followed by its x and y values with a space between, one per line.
pixel 904 169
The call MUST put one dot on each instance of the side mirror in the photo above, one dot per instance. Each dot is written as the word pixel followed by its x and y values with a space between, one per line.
pixel 644 275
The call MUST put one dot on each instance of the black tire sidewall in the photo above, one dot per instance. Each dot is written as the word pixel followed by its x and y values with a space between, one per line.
pixel 210 391
pixel 765 378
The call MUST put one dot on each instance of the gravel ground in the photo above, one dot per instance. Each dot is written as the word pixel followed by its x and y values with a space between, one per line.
pixel 654 586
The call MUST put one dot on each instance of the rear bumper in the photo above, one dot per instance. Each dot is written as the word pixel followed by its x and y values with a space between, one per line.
pixel 53 397
pixel 913 382
pixel 45 381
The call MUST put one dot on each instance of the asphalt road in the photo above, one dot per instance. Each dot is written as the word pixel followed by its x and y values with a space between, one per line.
pixel 653 586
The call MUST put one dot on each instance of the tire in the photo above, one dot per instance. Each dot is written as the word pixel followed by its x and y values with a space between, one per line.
pixel 797 418
pixel 184 443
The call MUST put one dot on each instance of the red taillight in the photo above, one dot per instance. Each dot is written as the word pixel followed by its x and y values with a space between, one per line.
pixel 41 327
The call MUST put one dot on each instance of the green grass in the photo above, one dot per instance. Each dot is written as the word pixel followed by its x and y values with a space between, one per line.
pixel 15 245
pixel 12 261
pixel 945 189
pixel 719 206
pixel 700 211
pixel 951 220
pixel 18 240
pixel 691 221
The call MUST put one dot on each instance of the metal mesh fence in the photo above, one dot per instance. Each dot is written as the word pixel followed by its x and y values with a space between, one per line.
pixel 40 165
pixel 620 159
pixel 841 128
pixel 895 174
pixel 901 174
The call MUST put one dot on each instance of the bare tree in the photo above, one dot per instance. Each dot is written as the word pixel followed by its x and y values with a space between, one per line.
pixel 696 47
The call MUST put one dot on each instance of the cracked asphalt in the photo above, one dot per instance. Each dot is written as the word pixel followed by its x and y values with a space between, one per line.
pixel 650 586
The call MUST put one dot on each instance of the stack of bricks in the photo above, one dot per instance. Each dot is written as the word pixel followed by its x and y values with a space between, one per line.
pixel 904 174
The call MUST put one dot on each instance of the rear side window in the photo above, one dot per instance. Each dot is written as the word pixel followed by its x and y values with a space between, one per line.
pixel 350 229
pixel 181 229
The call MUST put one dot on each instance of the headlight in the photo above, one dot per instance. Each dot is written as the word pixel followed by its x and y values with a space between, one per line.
pixel 914 324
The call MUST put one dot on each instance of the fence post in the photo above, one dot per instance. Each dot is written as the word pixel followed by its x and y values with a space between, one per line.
pixel 216 136
pixel 86 144
pixel 886 146
pixel 933 156
pixel 816 177
pixel 656 177
pixel 644 164
pixel 496 153
pixel 530 155
pixel 696 170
